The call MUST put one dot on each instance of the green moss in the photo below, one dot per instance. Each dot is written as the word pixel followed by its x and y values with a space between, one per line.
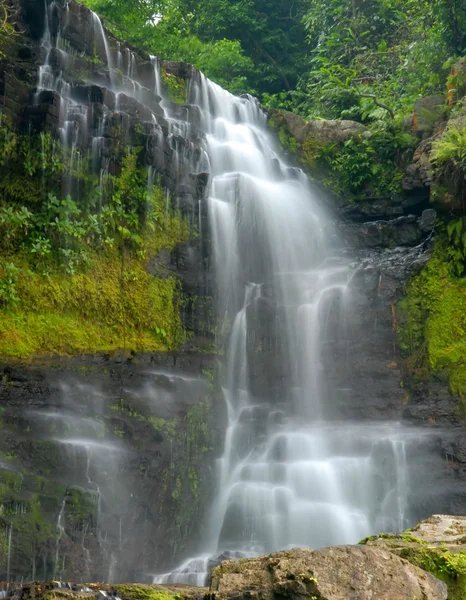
pixel 167 426
pixel 143 592
pixel 405 537
pixel 432 320
pixel 200 434
pixel 80 510
pixel 73 280
pixel 92 311
pixel 448 566
pixel 30 516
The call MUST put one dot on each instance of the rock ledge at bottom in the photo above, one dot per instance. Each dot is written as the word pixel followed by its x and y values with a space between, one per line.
pixel 334 573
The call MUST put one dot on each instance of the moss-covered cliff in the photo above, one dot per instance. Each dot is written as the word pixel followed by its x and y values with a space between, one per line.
pixel 94 197
pixel 108 426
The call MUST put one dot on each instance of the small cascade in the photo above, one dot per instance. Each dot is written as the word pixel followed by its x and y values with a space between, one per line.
pixel 88 109
pixel 8 567
pixel 94 465
pixel 101 39
pixel 57 574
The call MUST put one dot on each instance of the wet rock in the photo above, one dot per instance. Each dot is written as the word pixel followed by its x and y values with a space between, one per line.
pixel 32 401
pixel 324 131
pixel 402 231
pixel 178 69
pixel 428 112
pixel 427 220
pixel 372 209
pixel 44 117
pixel 336 573
pixel 133 108
pixel 93 94
pixel 419 174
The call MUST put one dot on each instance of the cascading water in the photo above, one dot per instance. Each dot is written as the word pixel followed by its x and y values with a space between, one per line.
pixel 291 473
pixel 83 127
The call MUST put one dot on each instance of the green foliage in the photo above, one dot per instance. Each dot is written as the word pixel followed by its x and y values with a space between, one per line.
pixel 450 148
pixel 456 249
pixel 433 320
pixel 176 87
pixel 353 164
pixel 7 30
pixel 8 286
pixel 364 54
pixel 270 32
pixel 452 16
pixel 75 278
pixel 372 162
pixel 224 62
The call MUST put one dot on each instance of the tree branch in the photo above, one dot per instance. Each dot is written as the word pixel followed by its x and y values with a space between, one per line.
pixel 377 103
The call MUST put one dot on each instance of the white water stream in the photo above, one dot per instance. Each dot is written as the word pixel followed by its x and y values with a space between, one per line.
pixel 289 476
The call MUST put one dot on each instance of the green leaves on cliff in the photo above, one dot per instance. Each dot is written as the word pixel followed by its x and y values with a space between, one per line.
pixel 363 55
pixel 450 148
pixel 433 320
pixel 456 249
pixel 8 286
pixel 74 275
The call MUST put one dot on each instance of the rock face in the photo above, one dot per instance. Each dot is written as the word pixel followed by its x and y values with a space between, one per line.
pixel 437 544
pixel 321 131
pixel 105 462
pixel 335 573
pixel 105 465
pixel 428 112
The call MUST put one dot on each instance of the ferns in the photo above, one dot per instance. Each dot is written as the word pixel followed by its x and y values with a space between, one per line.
pixel 450 148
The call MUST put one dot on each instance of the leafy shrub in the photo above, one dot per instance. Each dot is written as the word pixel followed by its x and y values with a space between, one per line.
pixel 456 249
pixel 8 286
pixel 450 148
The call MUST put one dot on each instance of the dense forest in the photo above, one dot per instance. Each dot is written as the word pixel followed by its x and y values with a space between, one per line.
pixel 358 59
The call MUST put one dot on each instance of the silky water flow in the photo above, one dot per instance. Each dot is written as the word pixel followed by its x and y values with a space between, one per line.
pixel 291 473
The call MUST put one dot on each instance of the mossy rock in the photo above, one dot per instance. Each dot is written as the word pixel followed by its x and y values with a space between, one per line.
pixel 432 319
pixel 436 545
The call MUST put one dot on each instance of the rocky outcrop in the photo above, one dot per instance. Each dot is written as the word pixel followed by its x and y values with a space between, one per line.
pixel 437 544
pixel 321 131
pixel 429 112
pixel 335 573
pixel 426 562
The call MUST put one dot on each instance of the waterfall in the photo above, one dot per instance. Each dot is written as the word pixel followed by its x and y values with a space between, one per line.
pixel 292 472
